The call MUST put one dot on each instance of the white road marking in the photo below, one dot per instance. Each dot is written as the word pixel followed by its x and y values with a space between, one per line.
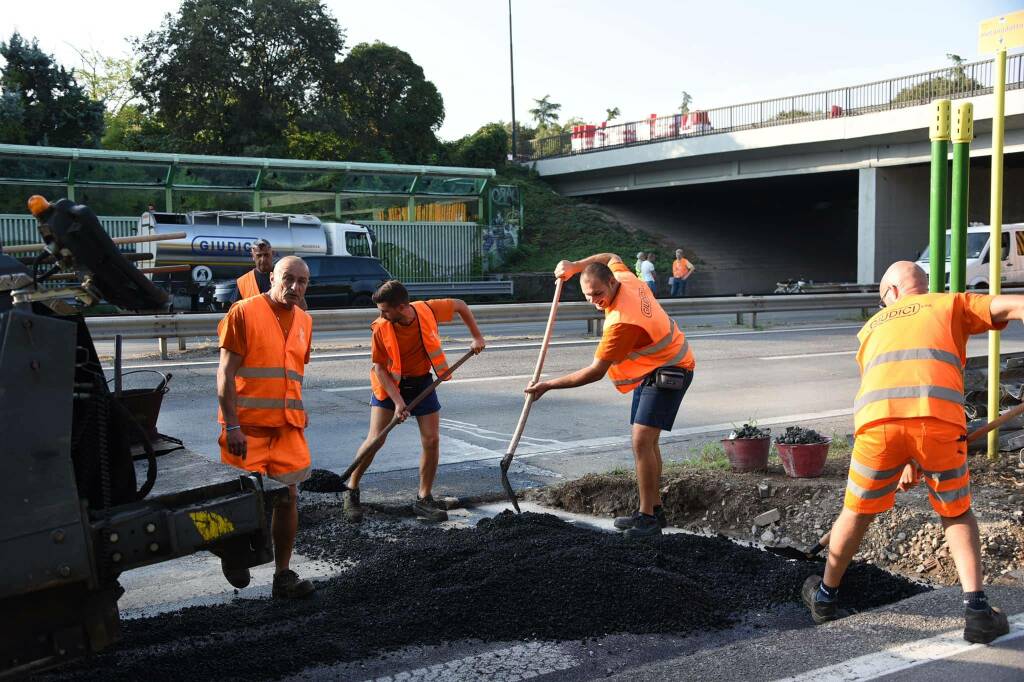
pixel 520 662
pixel 808 355
pixel 909 655
pixel 348 389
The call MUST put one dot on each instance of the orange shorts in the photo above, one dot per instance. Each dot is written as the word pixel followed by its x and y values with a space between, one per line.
pixel 883 449
pixel 280 453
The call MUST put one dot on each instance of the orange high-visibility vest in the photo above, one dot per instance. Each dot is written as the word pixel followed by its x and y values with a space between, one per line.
pixel 269 382
pixel 431 342
pixel 634 304
pixel 247 286
pixel 911 364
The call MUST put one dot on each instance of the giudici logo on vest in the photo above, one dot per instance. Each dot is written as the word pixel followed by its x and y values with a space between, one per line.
pixel 645 303
pixel 893 313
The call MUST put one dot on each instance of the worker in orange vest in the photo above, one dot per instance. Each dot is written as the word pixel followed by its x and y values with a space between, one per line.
pixel 910 408
pixel 681 271
pixel 406 345
pixel 643 351
pixel 264 348
pixel 257 280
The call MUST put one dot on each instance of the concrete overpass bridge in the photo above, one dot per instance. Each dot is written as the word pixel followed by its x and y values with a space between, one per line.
pixel 796 186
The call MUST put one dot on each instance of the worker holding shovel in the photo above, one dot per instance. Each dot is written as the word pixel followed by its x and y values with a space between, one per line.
pixel 406 345
pixel 910 408
pixel 643 351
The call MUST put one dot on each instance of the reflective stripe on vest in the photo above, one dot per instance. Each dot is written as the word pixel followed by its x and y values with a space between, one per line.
pixel 635 304
pixel 269 382
pixel 915 354
pixel 938 392
pixel 429 335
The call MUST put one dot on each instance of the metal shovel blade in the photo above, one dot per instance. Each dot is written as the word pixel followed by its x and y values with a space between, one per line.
pixel 506 462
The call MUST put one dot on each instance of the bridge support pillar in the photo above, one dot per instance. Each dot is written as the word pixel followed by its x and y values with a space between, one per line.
pixel 892 218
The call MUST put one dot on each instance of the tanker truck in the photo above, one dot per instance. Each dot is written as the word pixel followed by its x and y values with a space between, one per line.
pixel 217 245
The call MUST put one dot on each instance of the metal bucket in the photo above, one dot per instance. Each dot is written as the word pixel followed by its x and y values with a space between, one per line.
pixel 144 404
pixel 747 454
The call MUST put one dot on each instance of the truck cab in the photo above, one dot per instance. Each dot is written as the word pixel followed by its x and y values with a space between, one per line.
pixel 979 251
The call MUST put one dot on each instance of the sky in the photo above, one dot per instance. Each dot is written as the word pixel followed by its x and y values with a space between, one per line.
pixel 592 55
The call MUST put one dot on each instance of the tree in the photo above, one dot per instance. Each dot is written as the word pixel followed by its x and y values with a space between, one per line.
pixel 391 109
pixel 546 111
pixel 230 76
pixel 486 148
pixel 957 82
pixel 611 114
pixel 106 79
pixel 41 102
pixel 686 99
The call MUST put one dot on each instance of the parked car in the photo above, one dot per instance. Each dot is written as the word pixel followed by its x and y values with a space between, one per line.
pixel 978 254
pixel 334 282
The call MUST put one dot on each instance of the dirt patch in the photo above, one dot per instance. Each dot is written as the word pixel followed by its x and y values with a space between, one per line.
pixel 516 577
pixel 908 539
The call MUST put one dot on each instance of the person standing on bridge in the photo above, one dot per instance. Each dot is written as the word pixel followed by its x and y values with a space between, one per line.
pixel 406 345
pixel 643 351
pixel 681 271
pixel 264 348
pixel 910 409
pixel 257 280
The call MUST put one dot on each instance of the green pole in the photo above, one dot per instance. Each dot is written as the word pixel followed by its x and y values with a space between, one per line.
pixel 939 135
pixel 963 133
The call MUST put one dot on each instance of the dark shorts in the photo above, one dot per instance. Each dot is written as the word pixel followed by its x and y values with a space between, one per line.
pixel 657 407
pixel 410 388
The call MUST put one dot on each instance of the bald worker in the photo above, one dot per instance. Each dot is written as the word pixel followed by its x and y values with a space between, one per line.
pixel 910 409
pixel 264 348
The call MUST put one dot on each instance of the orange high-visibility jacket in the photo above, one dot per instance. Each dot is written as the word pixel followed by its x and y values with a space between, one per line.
pixel 911 364
pixel 634 304
pixel 431 342
pixel 247 286
pixel 269 382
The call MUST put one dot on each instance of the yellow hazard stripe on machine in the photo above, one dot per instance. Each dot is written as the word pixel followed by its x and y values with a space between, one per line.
pixel 211 525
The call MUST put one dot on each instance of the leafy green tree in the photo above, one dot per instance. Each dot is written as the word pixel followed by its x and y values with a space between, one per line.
pixel 133 129
pixel 41 102
pixel 611 114
pixel 230 76
pixel 546 111
pixel 486 148
pixel 106 79
pixel 391 110
pixel 685 101
pixel 954 82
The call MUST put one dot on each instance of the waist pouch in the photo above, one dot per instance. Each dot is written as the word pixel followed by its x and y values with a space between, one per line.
pixel 671 378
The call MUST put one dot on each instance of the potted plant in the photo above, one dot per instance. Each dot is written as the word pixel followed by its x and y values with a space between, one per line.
pixel 747 448
pixel 803 452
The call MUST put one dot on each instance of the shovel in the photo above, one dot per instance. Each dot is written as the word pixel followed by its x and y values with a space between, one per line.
pixel 811 553
pixel 506 461
pixel 372 445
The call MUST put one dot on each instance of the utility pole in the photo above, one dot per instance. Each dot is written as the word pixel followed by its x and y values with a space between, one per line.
pixel 512 78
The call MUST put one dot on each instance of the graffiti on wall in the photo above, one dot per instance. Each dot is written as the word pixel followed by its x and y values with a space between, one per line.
pixel 501 235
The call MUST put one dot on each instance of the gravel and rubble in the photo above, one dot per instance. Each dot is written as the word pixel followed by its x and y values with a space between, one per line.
pixel 907 540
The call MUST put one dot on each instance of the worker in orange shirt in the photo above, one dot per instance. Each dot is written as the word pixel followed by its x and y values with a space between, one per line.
pixel 643 351
pixel 910 408
pixel 681 271
pixel 257 280
pixel 264 348
pixel 406 345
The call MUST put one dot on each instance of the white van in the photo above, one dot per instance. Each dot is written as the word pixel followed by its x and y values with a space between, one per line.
pixel 978 255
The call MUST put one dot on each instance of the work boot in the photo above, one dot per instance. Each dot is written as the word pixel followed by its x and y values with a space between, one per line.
pixel 238 577
pixel 428 509
pixel 352 509
pixel 984 625
pixel 644 526
pixel 627 522
pixel 821 611
pixel 288 585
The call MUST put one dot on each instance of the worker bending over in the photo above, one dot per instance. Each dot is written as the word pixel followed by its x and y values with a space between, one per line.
pixel 406 344
pixel 264 348
pixel 643 351
pixel 910 408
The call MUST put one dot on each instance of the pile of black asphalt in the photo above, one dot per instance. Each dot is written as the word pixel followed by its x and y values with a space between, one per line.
pixel 514 577
pixel 323 481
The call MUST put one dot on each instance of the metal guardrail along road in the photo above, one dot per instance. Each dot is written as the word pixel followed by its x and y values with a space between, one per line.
pixel 487 287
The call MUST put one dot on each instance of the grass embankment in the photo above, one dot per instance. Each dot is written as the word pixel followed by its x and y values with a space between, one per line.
pixel 558 227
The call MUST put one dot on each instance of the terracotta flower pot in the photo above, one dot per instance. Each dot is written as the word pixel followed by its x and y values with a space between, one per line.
pixel 805 460
pixel 747 454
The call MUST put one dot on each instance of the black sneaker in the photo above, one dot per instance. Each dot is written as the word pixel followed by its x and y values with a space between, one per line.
pixel 428 509
pixel 821 611
pixel 352 509
pixel 645 526
pixel 985 625
pixel 288 585
pixel 627 522
pixel 238 577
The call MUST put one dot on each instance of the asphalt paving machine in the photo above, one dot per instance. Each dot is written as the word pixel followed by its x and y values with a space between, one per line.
pixel 85 494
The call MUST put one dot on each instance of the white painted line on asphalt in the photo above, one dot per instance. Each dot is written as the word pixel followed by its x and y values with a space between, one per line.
pixel 808 355
pixel 519 662
pixel 474 380
pixel 909 655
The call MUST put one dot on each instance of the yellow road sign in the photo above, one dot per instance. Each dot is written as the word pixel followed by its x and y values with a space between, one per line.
pixel 1001 33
